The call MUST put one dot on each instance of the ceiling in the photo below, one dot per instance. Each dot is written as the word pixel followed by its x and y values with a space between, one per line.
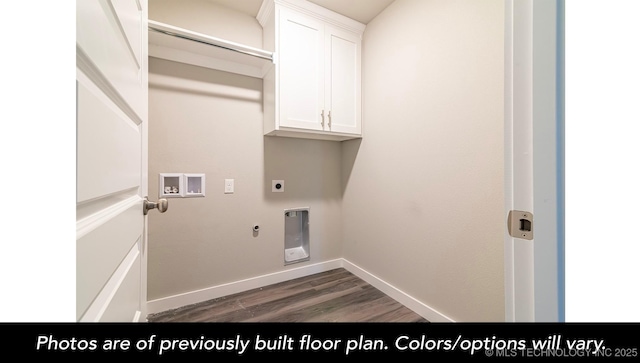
pixel 360 10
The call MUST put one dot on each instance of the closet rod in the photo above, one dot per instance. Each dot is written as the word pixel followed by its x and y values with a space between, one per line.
pixel 242 51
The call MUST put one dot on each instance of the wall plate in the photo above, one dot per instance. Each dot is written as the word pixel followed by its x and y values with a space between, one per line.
pixel 229 186
pixel 277 186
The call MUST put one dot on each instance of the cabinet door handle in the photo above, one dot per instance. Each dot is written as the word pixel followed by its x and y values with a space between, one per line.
pixel 322 122
pixel 329 119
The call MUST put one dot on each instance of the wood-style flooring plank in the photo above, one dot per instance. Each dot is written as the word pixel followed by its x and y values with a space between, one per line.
pixel 331 296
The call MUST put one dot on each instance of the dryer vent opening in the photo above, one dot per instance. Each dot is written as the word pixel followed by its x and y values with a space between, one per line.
pixel 296 235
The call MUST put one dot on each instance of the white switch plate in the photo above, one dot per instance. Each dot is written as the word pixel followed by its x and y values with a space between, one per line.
pixel 275 184
pixel 228 186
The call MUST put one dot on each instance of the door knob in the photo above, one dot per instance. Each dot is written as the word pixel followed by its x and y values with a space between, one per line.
pixel 162 205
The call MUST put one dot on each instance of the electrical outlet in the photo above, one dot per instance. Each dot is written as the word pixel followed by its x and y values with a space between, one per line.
pixel 228 186
pixel 277 186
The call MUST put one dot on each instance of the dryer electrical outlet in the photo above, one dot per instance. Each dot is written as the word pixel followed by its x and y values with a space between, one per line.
pixel 277 186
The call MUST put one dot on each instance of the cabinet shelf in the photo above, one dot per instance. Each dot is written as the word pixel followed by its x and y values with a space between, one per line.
pixel 186 46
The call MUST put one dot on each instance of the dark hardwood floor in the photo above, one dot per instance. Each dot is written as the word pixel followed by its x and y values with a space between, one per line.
pixel 331 296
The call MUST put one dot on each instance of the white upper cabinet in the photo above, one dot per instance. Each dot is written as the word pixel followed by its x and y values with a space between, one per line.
pixel 342 95
pixel 314 90
pixel 301 66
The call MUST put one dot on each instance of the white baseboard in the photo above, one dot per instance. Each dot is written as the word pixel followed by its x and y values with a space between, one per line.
pixel 213 292
pixel 194 297
pixel 418 307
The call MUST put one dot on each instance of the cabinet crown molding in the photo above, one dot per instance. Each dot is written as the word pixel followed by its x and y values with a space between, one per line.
pixel 310 9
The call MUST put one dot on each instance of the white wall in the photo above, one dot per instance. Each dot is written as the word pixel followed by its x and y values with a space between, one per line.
pixel 423 191
pixel 207 121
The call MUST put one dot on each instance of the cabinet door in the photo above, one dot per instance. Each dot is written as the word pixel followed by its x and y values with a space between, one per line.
pixel 301 67
pixel 343 81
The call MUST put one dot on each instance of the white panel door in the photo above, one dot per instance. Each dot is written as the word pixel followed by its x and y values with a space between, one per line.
pixel 111 180
pixel 301 66
pixel 343 85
